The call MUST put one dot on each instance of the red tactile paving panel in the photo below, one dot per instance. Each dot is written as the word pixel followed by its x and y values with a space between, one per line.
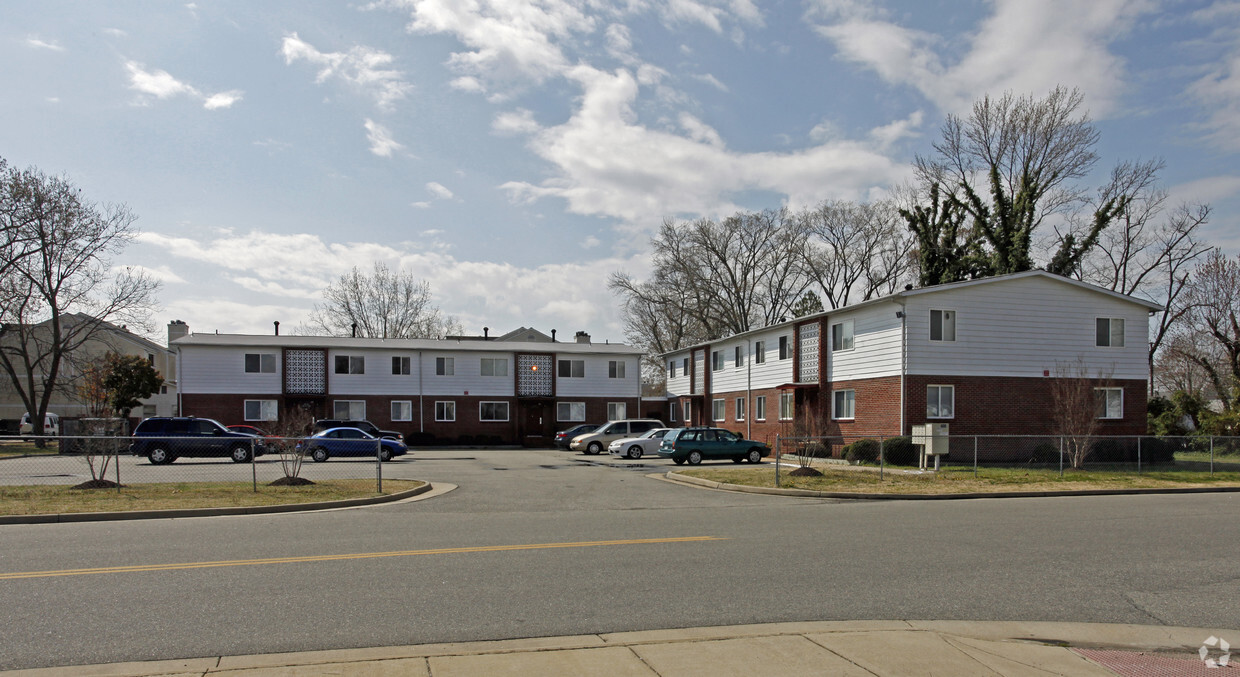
pixel 1139 664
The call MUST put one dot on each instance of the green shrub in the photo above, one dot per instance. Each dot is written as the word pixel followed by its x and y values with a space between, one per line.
pixel 900 451
pixel 816 450
pixel 1046 452
pixel 1111 451
pixel 1159 450
pixel 862 451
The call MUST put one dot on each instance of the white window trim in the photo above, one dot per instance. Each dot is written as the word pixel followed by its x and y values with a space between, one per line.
pixel 852 337
pixel 453 408
pixel 791 406
pixel 351 402
pixel 718 410
pixel 759 408
pixel 507 412
pixel 739 409
pixel 271 361
pixel 835 414
pixel 570 418
pixel 1111 332
pixel 1106 409
pixel 570 368
pixel 617 411
pixel 403 365
pixel 272 415
pixel 493 361
pixel 716 360
pixel 688 412
pixel 941 386
pixel 408 407
pixel 930 325
pixel 361 363
pixel 448 365
pixel 615 369
pixel 759 352
pixel 738 357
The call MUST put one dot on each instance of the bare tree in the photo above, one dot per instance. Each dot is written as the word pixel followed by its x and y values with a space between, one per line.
pixel 382 304
pixel 1075 402
pixel 654 319
pixel 58 289
pixel 855 251
pixel 1211 332
pixel 288 444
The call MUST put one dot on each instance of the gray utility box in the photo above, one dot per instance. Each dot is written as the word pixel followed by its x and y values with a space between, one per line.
pixel 932 440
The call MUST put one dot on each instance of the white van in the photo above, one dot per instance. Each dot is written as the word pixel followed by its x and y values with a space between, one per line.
pixel 51 425
pixel 597 441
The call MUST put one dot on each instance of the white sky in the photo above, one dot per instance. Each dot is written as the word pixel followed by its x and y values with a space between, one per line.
pixel 515 154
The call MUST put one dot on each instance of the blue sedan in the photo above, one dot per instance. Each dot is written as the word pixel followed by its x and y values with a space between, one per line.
pixel 351 442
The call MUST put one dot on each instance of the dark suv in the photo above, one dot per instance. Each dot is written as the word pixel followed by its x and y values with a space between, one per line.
pixel 328 423
pixel 165 439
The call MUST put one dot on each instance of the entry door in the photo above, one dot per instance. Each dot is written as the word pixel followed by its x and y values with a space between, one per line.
pixel 535 425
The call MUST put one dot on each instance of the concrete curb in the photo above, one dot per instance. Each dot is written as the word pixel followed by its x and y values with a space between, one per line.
pixel 673 476
pixel 211 512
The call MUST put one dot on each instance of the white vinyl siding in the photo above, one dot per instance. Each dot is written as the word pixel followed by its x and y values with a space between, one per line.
pixel 261 410
pixel 1109 402
pixel 570 411
pixel 875 347
pixel 402 410
pixel 595 381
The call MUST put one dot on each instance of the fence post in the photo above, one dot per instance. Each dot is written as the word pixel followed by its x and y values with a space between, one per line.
pixel 378 466
pixel 975 457
pixel 118 468
pixel 1138 454
pixel 1212 454
pixel 882 451
pixel 777 450
pixel 253 467
pixel 1061 455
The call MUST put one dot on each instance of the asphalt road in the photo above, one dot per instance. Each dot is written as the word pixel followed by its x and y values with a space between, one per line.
pixel 538 543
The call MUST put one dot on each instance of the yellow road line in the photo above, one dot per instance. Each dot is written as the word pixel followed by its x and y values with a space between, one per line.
pixel 135 568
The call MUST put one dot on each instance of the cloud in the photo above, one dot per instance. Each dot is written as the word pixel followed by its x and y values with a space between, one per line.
pixel 380 139
pixel 1218 90
pixel 162 85
pixel 520 121
pixel 1024 47
pixel 712 81
pixel 362 67
pixel 37 43
pixel 439 191
pixel 163 274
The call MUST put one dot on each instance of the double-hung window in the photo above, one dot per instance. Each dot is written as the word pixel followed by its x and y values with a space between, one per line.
pixel 783 348
pixel 671 368
pixel 492 411
pixel 759 407
pixel 445 366
pixel 445 410
pixel 572 369
pixel 400 365
pixel 940 401
pixel 717 410
pixel 942 325
pixel 349 410
pixel 1109 332
pixel 1109 402
pixel 260 363
pixel 842 336
pixel 845 404
pixel 570 411
pixel 740 356
pixel 759 352
pixel 261 410
pixel 785 406
pixel 350 364
pixel 615 369
pixel 716 360
pixel 494 366
pixel 617 411
pixel 402 410
pixel 740 409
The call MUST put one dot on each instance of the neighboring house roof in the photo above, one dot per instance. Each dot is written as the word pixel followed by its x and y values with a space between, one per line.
pixel 526 334
pixel 345 342
pixel 936 289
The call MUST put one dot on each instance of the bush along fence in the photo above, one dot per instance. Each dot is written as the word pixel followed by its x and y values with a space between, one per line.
pixel 98 462
pixel 956 453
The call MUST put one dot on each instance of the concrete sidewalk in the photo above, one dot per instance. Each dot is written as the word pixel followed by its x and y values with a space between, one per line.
pixel 846 648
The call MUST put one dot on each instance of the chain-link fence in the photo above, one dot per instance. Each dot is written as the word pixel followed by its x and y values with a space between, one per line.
pixel 98 461
pixel 968 453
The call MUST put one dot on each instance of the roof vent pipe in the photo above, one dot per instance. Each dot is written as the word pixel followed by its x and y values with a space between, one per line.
pixel 485 331
pixel 553 336
pixel 354 330
pixel 277 324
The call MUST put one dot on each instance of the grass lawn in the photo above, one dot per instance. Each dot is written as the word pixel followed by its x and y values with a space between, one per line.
pixel 19 448
pixel 955 481
pixel 42 500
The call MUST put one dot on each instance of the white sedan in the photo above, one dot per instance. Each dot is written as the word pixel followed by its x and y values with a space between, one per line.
pixel 635 447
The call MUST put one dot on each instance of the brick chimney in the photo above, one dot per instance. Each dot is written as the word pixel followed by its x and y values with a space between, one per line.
pixel 582 337
pixel 176 329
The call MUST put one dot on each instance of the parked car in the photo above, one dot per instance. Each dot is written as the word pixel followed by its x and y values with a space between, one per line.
pixel 565 437
pixel 692 445
pixel 595 442
pixel 239 428
pixel 361 424
pixel 351 442
pixel 636 447
pixel 164 439
pixel 51 425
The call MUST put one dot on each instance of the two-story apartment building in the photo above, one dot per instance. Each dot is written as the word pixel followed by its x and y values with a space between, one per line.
pixel 979 355
pixel 518 390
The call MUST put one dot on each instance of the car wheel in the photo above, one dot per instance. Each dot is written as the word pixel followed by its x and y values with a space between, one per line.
pixel 755 456
pixel 319 454
pixel 695 457
pixel 635 452
pixel 385 455
pixel 241 454
pixel 159 455
pixel 594 448
pixel 678 461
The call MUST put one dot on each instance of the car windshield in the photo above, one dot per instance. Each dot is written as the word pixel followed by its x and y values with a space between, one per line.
pixel 657 432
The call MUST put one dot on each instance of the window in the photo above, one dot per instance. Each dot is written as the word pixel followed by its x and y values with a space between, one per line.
pixel 150 359
pixel 149 410
pixel 261 410
pixel 570 411
pixel 260 363
pixel 688 413
pixel 845 404
pixel 1109 402
pixel 785 406
pixel 445 411
pixel 494 366
pixel 717 410
pixel 671 413
pixel 759 407
pixel 942 325
pixel 615 369
pixel 671 368
pixel 842 336
pixel 740 409
pixel 740 356
pixel 400 366
pixel 716 360
pixel 759 352
pixel 572 369
pixel 1110 332
pixel 349 410
pixel 163 390
pixel 350 364
pixel 783 347
pixel 685 367
pixel 940 401
pixel 616 411
pixel 492 411
pixel 445 366
pixel 402 410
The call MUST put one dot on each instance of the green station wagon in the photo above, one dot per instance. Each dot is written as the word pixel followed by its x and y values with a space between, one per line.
pixel 695 444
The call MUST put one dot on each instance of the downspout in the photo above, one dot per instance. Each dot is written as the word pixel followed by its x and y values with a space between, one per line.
pixel 748 388
pixel 903 358
pixel 421 406
pixel 180 385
